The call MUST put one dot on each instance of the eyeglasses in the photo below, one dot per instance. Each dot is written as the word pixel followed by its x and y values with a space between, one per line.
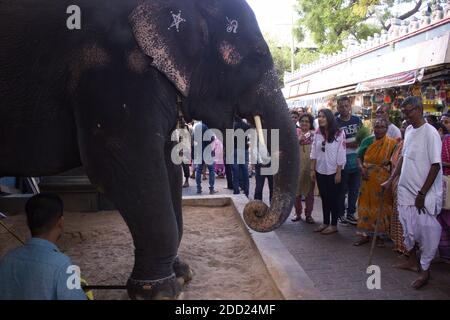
pixel 323 145
pixel 408 111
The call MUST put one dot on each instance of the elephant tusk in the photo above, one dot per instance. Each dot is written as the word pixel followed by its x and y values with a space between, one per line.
pixel 262 142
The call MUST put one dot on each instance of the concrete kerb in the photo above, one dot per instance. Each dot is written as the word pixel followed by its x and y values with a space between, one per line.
pixel 288 276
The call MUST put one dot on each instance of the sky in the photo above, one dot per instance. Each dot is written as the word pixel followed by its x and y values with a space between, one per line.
pixel 274 17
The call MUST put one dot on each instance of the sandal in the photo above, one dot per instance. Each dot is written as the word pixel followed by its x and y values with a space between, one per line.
pixel 320 228
pixel 361 241
pixel 329 230
pixel 309 220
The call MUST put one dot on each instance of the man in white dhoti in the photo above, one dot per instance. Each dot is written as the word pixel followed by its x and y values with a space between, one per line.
pixel 419 190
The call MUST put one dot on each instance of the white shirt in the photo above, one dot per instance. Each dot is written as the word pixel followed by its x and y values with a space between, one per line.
pixel 334 155
pixel 316 123
pixel 421 149
pixel 394 132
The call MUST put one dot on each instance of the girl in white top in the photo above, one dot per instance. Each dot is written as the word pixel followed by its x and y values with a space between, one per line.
pixel 328 157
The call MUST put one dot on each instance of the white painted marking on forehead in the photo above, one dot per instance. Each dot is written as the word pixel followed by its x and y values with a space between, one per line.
pixel 177 19
pixel 232 25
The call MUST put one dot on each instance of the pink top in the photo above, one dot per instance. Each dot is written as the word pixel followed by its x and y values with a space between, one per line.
pixel 446 153
pixel 333 156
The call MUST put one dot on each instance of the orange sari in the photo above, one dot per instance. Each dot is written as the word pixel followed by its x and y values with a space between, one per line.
pixel 377 163
pixel 396 226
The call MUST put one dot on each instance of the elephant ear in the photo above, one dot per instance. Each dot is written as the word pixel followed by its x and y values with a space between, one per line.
pixel 173 34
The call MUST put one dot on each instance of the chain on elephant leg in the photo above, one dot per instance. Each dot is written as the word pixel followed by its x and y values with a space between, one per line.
pixel 183 271
pixel 162 289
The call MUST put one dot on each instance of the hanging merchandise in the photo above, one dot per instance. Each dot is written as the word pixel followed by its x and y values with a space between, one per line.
pixel 367 103
pixel 430 94
pixel 416 90
pixel 442 94
pixel 447 88
pixel 400 96
pixel 429 99
pixel 378 98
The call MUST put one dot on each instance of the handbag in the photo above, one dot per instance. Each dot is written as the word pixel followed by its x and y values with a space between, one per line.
pixel 446 192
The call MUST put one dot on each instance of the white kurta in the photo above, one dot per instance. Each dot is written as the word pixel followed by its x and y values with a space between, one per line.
pixel 421 149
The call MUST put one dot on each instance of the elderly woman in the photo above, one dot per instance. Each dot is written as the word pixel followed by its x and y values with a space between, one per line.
pixel 444 216
pixel 374 162
pixel 305 185
pixel 396 227
pixel 445 120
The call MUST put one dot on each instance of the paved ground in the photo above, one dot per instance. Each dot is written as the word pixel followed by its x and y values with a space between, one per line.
pixel 338 269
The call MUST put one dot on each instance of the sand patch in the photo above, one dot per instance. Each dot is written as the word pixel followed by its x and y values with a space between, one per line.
pixel 226 265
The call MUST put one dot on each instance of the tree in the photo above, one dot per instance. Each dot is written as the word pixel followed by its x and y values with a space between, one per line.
pixel 281 55
pixel 331 22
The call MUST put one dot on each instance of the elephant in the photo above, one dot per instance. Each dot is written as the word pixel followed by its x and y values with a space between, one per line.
pixel 105 94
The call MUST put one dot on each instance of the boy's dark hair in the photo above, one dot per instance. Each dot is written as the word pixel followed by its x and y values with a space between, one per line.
pixel 432 119
pixel 43 212
pixel 415 102
pixel 293 111
pixel 342 99
pixel 438 126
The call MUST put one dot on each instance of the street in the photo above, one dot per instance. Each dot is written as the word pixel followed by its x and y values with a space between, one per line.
pixel 337 268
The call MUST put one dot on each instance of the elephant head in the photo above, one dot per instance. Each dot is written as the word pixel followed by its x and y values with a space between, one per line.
pixel 215 55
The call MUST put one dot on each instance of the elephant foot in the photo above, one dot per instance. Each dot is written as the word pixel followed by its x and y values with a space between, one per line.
pixel 162 289
pixel 182 271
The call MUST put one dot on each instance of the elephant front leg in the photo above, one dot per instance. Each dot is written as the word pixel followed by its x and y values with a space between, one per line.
pixel 182 270
pixel 136 180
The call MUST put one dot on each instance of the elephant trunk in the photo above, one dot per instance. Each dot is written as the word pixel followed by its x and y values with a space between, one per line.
pixel 275 116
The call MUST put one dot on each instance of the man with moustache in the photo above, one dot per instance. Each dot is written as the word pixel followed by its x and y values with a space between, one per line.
pixel 419 190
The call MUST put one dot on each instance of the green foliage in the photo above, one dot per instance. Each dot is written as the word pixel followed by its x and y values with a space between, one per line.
pixel 281 55
pixel 395 117
pixel 362 133
pixel 330 22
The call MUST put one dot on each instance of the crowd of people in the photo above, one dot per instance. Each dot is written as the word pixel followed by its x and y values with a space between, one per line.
pixel 392 184
pixel 392 179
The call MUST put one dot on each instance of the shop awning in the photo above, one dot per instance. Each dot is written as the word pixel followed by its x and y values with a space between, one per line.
pixel 396 80
pixel 318 97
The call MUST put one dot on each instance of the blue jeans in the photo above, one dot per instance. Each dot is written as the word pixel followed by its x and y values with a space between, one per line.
pixel 350 184
pixel 240 171
pixel 198 175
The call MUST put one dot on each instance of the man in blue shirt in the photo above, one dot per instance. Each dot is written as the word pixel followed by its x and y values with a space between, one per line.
pixel 38 270
pixel 351 177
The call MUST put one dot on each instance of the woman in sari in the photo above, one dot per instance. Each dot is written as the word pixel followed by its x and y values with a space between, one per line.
pixel 374 157
pixel 396 227
pixel 305 185
pixel 444 216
